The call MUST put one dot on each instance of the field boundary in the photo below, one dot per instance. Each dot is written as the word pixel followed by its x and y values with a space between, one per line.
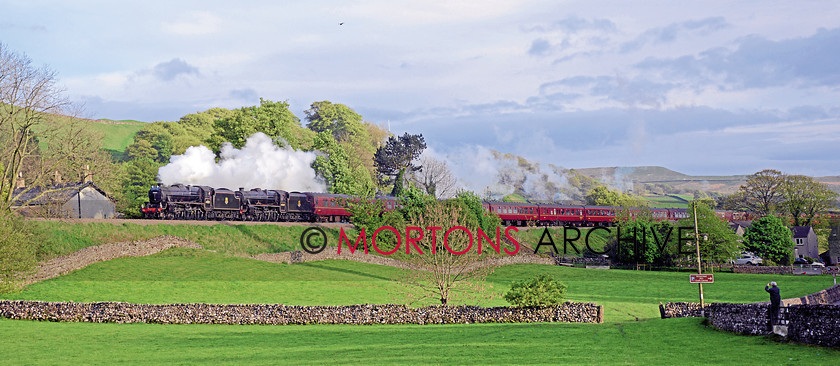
pixel 99 253
pixel 277 314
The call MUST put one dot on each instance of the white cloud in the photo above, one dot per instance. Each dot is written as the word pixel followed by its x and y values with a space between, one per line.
pixel 196 24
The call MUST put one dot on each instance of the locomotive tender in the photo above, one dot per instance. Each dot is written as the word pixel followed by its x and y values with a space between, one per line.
pixel 186 202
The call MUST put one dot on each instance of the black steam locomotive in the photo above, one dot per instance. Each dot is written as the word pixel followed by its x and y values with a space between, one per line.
pixel 207 203
pixel 180 202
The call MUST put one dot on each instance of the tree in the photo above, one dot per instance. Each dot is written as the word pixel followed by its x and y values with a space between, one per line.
pixel 37 136
pixel 718 243
pixel 435 178
pixel 804 198
pixel 339 119
pixel 397 156
pixel 762 192
pixel 540 290
pixel 644 240
pixel 768 238
pixel 271 118
pixel 603 196
pixel 445 276
pixel 140 175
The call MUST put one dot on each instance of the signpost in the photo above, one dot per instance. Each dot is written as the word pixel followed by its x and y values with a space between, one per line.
pixel 701 278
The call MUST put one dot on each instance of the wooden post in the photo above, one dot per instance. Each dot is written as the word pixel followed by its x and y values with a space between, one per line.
pixel 699 268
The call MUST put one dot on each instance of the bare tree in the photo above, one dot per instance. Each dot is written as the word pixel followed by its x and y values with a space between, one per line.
pixel 762 192
pixel 435 178
pixel 447 270
pixel 37 137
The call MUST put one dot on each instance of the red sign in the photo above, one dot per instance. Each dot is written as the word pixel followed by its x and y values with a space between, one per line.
pixel 701 278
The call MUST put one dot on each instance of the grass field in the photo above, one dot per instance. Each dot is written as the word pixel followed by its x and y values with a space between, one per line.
pixel 666 202
pixel 61 238
pixel 117 136
pixel 631 334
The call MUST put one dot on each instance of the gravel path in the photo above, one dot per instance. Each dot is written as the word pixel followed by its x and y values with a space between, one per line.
pixel 58 266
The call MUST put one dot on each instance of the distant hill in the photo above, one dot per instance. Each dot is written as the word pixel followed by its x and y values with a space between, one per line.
pixel 627 177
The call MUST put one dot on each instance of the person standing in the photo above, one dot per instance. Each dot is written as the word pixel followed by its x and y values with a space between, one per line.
pixel 775 302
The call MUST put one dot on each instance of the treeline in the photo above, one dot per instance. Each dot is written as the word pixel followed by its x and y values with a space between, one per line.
pixel 356 157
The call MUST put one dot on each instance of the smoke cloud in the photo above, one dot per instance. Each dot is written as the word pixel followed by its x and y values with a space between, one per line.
pixel 259 164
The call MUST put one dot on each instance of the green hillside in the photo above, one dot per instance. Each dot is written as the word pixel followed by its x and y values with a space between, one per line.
pixel 117 134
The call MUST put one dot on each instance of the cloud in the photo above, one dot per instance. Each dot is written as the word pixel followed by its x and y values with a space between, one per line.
pixel 247 94
pixel 670 33
pixel 571 37
pixel 574 24
pixel 756 62
pixel 167 71
pixel 539 47
pixel 199 23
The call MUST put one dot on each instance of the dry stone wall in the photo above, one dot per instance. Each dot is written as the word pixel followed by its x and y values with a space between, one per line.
pixel 784 270
pixel 275 314
pixel 811 319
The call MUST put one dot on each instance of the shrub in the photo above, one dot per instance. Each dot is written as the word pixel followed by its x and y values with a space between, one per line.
pixel 541 290
pixel 17 251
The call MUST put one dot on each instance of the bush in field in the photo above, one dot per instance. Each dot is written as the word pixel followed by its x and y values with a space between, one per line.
pixel 17 251
pixel 542 290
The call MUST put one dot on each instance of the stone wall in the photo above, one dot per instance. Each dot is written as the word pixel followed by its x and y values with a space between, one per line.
pixel 815 324
pixel 810 319
pixel 783 270
pixel 119 312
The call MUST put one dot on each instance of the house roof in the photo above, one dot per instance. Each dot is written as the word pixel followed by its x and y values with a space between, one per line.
pixel 55 193
pixel 800 231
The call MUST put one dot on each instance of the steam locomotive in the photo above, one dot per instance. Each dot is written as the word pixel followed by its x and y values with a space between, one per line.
pixel 207 203
pixel 180 202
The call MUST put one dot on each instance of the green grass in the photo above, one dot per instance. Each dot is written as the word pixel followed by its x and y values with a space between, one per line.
pixel 632 333
pixel 117 136
pixel 666 202
pixel 669 341
pixel 181 275
pixel 61 238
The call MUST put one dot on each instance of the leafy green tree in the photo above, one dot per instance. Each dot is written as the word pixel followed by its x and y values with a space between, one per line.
pixel 413 203
pixel 396 157
pixel 140 175
pixel 339 119
pixel 603 196
pixel 769 238
pixel 718 243
pixel 474 212
pixel 804 198
pixel 540 290
pixel 141 149
pixel 156 136
pixel 334 167
pixel 271 118
pixel 643 240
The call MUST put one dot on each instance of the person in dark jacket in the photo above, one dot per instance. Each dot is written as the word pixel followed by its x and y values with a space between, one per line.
pixel 775 302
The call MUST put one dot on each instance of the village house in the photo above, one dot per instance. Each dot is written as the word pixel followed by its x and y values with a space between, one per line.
pixel 806 242
pixel 64 200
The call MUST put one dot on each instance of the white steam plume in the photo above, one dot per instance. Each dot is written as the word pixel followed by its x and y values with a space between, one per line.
pixel 259 164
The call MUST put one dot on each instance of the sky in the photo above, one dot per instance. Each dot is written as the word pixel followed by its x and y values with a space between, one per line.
pixel 701 87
